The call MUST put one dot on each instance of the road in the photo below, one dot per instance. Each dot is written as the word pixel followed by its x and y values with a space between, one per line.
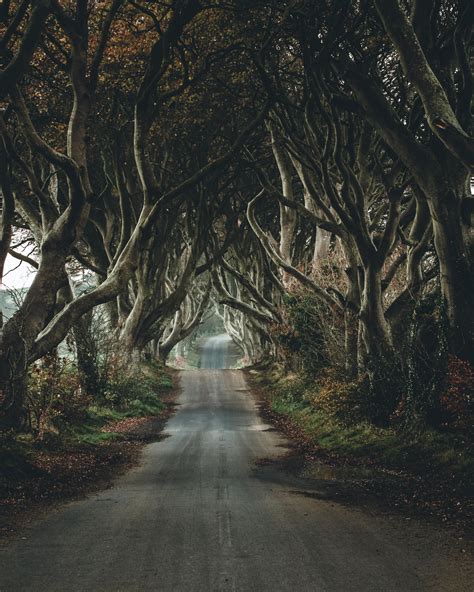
pixel 202 513
pixel 214 353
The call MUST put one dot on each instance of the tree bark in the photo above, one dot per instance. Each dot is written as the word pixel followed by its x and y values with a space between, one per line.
pixel 376 330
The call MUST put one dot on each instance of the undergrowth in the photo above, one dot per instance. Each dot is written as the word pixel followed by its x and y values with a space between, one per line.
pixel 70 421
pixel 339 428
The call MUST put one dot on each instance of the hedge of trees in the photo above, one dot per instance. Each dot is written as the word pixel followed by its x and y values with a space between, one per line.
pixel 304 167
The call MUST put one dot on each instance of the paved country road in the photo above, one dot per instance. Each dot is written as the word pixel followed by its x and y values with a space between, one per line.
pixel 214 353
pixel 199 514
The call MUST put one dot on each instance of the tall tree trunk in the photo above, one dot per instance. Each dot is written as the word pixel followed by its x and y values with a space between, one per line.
pixel 351 325
pixel 352 309
pixel 130 332
pixel 288 216
pixel 376 330
pixel 20 332
pixel 381 359
pixel 321 248
pixel 86 351
pixel 456 273
pixel 13 377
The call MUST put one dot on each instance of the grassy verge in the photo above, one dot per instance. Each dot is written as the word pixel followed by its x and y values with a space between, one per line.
pixel 435 469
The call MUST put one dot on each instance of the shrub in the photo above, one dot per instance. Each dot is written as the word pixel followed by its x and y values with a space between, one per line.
pixel 54 393
pixel 56 398
pixel 292 388
pixel 134 389
pixel 307 332
pixel 456 403
pixel 427 366
pixel 348 402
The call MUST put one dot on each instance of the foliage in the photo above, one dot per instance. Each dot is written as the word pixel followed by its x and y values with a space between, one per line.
pixel 456 403
pixel 56 400
pixel 292 389
pixel 303 335
pixel 135 390
pixel 427 367
pixel 54 392
pixel 315 415
pixel 346 401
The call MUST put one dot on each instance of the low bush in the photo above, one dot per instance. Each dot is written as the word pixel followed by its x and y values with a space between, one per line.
pixel 293 387
pixel 306 333
pixel 54 392
pixel 456 402
pixel 332 415
pixel 56 399
pixel 349 402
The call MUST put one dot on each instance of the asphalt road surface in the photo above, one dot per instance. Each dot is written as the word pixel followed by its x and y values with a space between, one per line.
pixel 214 353
pixel 203 513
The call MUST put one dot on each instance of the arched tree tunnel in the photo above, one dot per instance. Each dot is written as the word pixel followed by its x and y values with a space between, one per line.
pixel 161 162
pixel 284 185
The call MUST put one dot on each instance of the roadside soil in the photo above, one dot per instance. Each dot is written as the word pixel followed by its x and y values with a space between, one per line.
pixel 363 482
pixel 51 477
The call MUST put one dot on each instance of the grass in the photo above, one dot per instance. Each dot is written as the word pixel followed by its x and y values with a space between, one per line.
pixel 89 430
